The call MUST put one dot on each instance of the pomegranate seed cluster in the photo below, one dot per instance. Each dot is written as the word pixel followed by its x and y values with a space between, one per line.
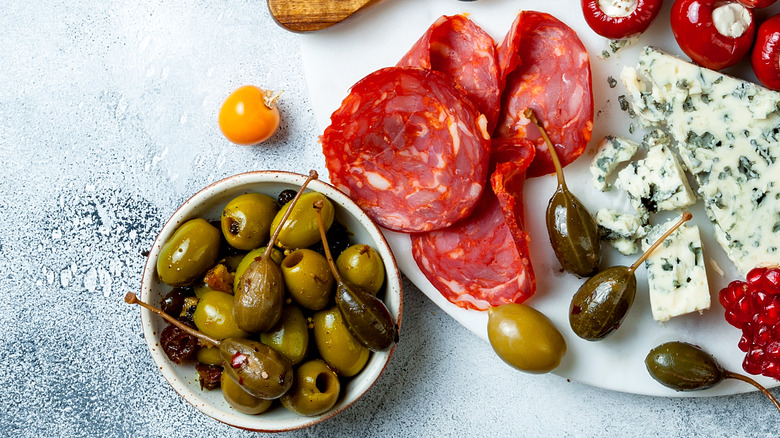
pixel 753 306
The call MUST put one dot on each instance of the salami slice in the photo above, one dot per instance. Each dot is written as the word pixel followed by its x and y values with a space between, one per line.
pixel 545 66
pixel 409 149
pixel 475 263
pixel 457 47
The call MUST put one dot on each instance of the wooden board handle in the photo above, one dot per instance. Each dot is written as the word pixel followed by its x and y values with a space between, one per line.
pixel 311 15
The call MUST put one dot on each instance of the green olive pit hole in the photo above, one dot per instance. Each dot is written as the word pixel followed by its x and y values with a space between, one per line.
pixel 293 259
pixel 323 382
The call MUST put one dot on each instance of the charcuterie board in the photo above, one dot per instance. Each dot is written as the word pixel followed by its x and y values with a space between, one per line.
pixel 336 58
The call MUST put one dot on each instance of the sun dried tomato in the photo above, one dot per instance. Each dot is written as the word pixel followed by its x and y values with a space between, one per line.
pixel 173 302
pixel 209 375
pixel 219 278
pixel 177 344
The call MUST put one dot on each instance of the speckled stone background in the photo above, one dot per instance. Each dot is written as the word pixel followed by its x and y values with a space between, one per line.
pixel 107 123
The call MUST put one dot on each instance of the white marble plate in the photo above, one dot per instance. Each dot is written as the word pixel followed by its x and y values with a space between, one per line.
pixel 377 37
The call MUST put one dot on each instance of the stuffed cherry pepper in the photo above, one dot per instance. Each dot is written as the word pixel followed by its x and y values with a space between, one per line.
pixel 618 19
pixel 766 53
pixel 713 33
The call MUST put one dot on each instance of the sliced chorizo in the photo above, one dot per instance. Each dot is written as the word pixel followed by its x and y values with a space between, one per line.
pixel 544 66
pixel 456 46
pixel 475 264
pixel 510 161
pixel 409 149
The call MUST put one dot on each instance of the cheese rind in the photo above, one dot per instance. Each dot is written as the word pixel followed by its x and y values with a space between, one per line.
pixel 611 153
pixel 676 276
pixel 728 135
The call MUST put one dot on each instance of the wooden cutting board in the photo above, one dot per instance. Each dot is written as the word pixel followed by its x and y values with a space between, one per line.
pixel 311 15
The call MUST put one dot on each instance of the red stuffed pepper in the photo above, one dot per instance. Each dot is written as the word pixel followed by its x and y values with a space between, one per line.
pixel 766 53
pixel 713 33
pixel 618 19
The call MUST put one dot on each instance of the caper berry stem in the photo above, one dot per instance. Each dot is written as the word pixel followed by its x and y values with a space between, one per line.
pixel 269 247
pixel 318 208
pixel 529 114
pixel 132 298
pixel 685 218
pixel 729 375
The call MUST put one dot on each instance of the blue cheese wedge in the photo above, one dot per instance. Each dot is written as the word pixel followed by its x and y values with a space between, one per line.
pixel 611 153
pixel 657 182
pixel 728 135
pixel 622 230
pixel 676 277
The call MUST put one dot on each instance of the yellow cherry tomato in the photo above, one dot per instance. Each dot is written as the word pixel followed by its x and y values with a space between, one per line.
pixel 249 115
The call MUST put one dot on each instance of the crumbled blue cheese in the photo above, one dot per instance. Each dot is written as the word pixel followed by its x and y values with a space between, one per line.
pixel 657 182
pixel 676 277
pixel 611 153
pixel 728 135
pixel 622 230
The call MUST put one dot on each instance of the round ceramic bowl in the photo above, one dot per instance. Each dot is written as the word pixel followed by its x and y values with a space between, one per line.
pixel 208 203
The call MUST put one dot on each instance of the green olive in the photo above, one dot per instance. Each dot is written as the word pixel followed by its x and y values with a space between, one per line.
pixel 231 261
pixel 336 344
pixel 276 256
pixel 259 369
pixel 201 289
pixel 189 253
pixel 315 391
pixel 300 230
pixel 246 220
pixel 308 278
pixel 214 316
pixel 241 400
pixel 209 356
pixel 683 367
pixel 361 265
pixel 602 302
pixel 290 336
pixel 525 338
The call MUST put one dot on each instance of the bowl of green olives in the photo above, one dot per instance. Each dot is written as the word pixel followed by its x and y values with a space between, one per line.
pixel 270 301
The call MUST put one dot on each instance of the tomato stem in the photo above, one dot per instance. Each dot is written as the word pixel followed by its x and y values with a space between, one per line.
pixel 270 98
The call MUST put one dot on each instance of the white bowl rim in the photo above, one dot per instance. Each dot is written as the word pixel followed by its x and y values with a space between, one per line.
pixel 183 213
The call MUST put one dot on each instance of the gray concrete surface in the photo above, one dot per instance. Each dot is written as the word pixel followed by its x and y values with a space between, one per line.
pixel 107 123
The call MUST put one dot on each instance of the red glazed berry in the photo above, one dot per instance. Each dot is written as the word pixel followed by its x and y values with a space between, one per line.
pixel 753 361
pixel 754 307
pixel 744 342
pixel 772 281
pixel 755 275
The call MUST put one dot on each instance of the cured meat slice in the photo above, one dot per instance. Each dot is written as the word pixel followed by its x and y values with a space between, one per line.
pixel 511 160
pixel 409 149
pixel 457 47
pixel 545 66
pixel 475 264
